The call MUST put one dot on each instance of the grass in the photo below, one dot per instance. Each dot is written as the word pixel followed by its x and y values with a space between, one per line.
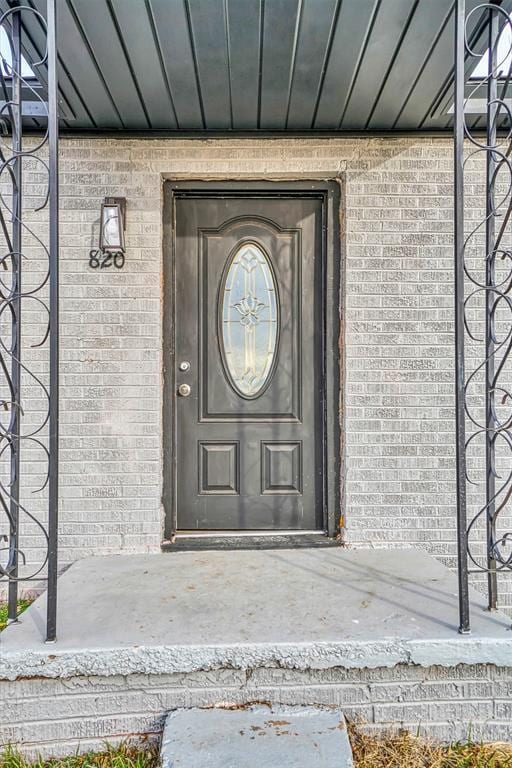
pixel 393 751
pixel 22 604
pixel 402 750
pixel 123 756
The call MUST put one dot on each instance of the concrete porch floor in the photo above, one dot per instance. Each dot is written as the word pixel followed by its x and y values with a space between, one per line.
pixel 298 609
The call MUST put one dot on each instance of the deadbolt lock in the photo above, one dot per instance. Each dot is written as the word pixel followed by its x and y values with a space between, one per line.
pixel 184 366
pixel 184 390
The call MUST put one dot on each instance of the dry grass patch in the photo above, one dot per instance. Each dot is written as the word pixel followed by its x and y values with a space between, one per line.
pixel 123 756
pixel 392 751
pixel 402 750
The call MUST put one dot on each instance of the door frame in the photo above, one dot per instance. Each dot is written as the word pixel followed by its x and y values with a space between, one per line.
pixel 329 192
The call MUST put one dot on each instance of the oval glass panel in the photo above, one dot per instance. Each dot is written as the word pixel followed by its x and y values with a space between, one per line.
pixel 249 320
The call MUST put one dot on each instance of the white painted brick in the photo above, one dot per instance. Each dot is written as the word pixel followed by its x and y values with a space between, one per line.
pixel 59 716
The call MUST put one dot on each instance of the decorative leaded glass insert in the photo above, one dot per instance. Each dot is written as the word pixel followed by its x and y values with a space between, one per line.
pixel 249 320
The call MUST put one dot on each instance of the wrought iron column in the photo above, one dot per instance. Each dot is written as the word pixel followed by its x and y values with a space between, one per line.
pixel 16 215
pixel 53 180
pixel 492 167
pixel 460 445
pixel 483 290
pixel 21 246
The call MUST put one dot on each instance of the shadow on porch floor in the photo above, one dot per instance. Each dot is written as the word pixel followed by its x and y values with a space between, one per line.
pixel 188 611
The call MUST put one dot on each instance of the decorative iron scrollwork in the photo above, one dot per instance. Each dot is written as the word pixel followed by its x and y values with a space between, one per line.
pixel 483 262
pixel 28 287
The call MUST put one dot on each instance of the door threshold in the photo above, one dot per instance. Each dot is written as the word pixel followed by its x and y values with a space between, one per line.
pixel 240 534
pixel 211 540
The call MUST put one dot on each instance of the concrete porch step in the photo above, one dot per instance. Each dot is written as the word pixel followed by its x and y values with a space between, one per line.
pixel 256 737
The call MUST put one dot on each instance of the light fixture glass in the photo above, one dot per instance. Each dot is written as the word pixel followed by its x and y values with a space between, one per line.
pixel 112 225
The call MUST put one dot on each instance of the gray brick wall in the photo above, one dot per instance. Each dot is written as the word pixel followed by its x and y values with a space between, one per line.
pixel 398 335
pixel 58 716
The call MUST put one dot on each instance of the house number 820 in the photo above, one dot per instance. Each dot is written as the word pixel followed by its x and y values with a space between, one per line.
pixel 100 260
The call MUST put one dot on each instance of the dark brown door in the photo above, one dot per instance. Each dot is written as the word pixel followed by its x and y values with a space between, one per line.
pixel 248 360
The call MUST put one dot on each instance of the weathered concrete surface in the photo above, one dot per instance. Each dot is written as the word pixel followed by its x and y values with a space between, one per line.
pixel 64 715
pixel 257 737
pixel 300 609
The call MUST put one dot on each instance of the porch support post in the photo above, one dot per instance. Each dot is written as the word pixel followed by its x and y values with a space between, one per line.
pixel 30 431
pixel 462 549
pixel 490 304
pixel 53 474
pixel 16 260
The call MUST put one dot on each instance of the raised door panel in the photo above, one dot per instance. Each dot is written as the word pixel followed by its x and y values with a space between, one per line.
pixel 279 397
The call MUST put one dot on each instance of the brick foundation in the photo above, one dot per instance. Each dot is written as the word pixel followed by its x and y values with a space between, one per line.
pixel 59 716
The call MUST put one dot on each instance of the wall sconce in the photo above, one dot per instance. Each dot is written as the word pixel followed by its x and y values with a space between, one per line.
pixel 112 225
pixel 113 213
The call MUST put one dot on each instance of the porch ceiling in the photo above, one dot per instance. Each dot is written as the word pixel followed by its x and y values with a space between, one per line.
pixel 253 65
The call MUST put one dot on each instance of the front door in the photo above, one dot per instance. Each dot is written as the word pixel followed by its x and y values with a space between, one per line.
pixel 248 347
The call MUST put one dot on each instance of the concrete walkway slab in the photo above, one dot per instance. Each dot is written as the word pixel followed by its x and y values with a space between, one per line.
pixel 256 737
pixel 300 609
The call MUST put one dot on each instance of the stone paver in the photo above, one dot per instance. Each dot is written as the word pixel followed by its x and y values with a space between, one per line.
pixel 256 737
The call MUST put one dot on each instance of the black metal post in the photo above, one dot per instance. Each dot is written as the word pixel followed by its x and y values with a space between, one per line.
pixel 53 508
pixel 15 426
pixel 462 553
pixel 12 435
pixel 490 300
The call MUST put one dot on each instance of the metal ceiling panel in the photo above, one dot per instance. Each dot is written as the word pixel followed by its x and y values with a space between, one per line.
pixel 443 104
pixel 434 79
pixel 142 49
pixel 208 31
pixel 352 29
pixel 244 25
pixel 95 21
pixel 34 43
pixel 281 25
pixel 388 28
pixel 249 65
pixel 77 63
pixel 434 74
pixel 71 104
pixel 173 33
pixel 427 23
pixel 316 28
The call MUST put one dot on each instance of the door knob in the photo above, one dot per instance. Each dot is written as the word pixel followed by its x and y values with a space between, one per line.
pixel 184 390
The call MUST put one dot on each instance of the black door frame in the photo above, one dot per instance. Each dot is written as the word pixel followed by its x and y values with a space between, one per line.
pixel 330 194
